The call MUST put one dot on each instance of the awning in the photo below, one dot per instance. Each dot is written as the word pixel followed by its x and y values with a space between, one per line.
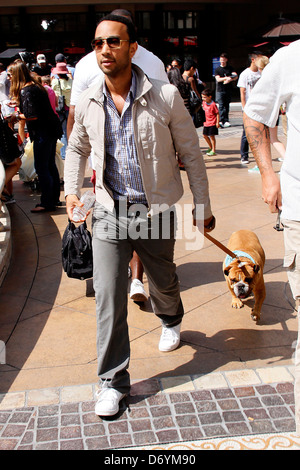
pixel 10 53
pixel 285 28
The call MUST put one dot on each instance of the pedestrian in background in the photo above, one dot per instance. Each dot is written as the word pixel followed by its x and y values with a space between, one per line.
pixel 211 124
pixel 44 129
pixel 225 76
pixel 62 87
pixel 246 82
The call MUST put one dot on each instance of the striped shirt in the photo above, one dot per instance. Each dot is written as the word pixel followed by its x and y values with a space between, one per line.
pixel 122 173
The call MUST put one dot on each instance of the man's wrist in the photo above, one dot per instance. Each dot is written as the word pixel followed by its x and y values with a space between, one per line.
pixel 209 223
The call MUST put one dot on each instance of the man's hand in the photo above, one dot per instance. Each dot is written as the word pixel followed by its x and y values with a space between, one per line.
pixel 71 202
pixel 207 224
pixel 271 191
pixel 258 136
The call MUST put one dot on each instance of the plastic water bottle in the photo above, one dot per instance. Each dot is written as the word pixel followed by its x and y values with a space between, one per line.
pixel 88 199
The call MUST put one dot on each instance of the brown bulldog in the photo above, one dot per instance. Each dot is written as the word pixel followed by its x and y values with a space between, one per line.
pixel 244 274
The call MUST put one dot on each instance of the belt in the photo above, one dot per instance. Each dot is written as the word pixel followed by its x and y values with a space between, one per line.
pixel 121 205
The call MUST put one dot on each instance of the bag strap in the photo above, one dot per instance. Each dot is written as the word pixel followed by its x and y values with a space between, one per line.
pixel 60 87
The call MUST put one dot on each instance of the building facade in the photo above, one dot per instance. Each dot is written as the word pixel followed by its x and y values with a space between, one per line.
pixel 200 30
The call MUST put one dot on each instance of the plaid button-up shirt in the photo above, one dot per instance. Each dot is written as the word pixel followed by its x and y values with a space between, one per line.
pixel 122 173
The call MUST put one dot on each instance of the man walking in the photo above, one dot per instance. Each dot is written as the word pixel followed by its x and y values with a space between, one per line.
pixel 135 126
pixel 87 74
pixel 279 84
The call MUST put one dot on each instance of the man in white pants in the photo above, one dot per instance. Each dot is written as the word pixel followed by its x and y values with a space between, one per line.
pixel 88 73
pixel 280 84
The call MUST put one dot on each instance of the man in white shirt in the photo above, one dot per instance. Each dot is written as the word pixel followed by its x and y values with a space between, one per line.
pixel 279 84
pixel 87 73
pixel 4 84
pixel 246 82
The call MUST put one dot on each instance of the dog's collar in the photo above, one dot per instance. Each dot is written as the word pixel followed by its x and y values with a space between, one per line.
pixel 239 254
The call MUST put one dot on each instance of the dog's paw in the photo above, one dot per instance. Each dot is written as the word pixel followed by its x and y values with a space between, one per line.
pixel 255 315
pixel 237 303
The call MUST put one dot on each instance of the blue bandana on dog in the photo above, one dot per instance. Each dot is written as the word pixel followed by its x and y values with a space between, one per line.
pixel 239 253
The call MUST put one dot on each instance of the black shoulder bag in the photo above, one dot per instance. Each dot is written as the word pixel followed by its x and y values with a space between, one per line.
pixel 77 253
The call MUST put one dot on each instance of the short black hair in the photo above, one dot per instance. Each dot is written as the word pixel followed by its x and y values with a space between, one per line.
pixel 207 92
pixel 188 64
pixel 122 19
pixel 122 12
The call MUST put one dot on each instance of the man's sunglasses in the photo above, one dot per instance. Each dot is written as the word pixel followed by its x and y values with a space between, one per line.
pixel 113 42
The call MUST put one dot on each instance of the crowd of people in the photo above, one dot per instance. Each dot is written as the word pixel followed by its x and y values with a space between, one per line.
pixel 131 96
pixel 35 99
pixel 64 92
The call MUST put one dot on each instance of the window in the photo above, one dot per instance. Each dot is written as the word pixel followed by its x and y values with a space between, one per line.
pixel 180 19
pixel 143 20
pixel 9 24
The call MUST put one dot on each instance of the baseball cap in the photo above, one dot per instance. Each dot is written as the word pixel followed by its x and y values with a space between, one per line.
pixel 41 58
pixel 60 58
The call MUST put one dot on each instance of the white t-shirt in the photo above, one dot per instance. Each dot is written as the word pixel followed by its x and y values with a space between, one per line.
pixel 279 83
pixel 4 86
pixel 247 80
pixel 87 71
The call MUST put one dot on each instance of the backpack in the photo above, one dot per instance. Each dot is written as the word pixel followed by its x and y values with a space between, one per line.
pixel 60 108
pixel 77 254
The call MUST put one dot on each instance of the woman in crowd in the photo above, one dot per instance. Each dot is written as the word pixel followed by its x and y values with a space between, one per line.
pixel 10 171
pixel 44 129
pixel 175 78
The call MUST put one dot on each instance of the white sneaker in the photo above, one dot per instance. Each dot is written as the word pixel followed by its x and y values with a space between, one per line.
pixel 170 338
pixel 137 291
pixel 226 124
pixel 108 400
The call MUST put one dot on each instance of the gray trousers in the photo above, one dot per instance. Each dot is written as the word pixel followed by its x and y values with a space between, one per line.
pixel 115 237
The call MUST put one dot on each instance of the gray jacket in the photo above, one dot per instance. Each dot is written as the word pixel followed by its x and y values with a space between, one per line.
pixel 162 127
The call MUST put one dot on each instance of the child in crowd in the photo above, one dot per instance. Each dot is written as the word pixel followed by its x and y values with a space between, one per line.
pixel 212 120
pixel 46 82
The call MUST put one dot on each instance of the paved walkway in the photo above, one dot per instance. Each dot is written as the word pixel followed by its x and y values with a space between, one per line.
pixel 229 381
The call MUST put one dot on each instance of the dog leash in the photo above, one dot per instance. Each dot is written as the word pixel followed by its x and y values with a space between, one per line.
pixel 278 223
pixel 216 242
pixel 227 251
pixel 220 245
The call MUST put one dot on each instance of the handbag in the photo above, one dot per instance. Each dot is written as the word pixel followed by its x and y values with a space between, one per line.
pixel 199 117
pixel 195 102
pixel 9 147
pixel 77 253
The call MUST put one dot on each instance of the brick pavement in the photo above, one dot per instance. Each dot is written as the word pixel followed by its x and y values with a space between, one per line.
pixel 162 411
pixel 152 419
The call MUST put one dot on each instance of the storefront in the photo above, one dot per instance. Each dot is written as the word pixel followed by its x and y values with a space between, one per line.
pixel 199 30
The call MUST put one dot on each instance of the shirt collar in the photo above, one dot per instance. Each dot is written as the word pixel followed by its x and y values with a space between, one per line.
pixel 132 91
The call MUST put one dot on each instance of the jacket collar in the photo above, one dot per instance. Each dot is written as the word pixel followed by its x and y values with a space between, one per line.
pixel 143 85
